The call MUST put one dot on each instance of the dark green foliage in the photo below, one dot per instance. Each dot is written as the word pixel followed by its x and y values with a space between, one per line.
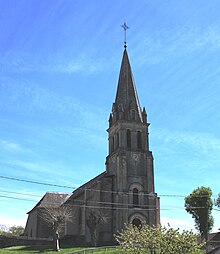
pixel 16 230
pixel 217 201
pixel 199 204
pixel 3 230
pixel 11 231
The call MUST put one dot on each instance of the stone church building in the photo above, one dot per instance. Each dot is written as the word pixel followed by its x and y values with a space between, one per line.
pixel 124 192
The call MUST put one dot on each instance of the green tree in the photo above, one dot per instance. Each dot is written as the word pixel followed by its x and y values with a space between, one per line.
pixel 4 230
pixel 217 201
pixel 16 230
pixel 199 204
pixel 157 240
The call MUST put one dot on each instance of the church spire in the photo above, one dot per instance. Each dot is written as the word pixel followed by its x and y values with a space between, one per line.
pixel 126 106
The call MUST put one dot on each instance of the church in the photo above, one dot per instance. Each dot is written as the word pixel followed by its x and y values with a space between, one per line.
pixel 125 192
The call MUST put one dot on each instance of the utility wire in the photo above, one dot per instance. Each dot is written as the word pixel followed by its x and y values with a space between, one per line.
pixel 89 189
pixel 36 182
pixel 105 205
pixel 21 193
pixel 23 199
pixel 90 206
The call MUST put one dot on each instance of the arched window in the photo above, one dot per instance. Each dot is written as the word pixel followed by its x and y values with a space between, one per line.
pixel 139 145
pixel 117 140
pixel 135 197
pixel 136 222
pixel 128 138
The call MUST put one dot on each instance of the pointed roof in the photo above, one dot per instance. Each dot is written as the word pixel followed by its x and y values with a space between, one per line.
pixel 51 199
pixel 126 96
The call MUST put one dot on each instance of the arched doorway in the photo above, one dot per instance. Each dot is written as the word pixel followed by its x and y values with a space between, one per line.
pixel 136 222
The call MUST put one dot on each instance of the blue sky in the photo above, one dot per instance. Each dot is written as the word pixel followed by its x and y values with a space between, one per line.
pixel 59 67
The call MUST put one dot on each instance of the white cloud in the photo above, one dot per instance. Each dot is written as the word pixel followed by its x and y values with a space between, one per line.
pixel 163 46
pixel 182 224
pixel 10 146
pixel 16 62
pixel 203 143
pixel 25 62
pixel 82 64
pixel 33 98
pixel 68 68
pixel 186 222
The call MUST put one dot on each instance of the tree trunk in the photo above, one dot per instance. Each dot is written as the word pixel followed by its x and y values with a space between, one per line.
pixel 56 246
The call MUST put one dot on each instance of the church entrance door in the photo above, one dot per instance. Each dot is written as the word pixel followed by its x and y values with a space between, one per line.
pixel 136 222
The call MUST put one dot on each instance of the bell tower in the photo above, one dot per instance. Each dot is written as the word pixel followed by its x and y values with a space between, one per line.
pixel 130 162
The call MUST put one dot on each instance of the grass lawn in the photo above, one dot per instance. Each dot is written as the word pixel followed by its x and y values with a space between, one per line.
pixel 34 249
pixel 111 251
pixel 46 250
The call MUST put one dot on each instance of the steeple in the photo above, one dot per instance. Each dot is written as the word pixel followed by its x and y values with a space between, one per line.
pixel 130 161
pixel 126 105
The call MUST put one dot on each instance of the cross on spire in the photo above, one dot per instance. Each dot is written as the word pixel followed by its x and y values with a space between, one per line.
pixel 125 27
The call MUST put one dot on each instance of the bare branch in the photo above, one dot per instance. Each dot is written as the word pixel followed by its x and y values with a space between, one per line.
pixel 55 218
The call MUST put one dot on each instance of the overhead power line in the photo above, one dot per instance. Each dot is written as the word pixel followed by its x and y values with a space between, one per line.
pixel 106 205
pixel 23 199
pixel 97 190
pixel 21 193
pixel 36 182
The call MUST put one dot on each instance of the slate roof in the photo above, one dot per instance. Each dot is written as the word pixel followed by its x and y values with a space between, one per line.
pixel 52 199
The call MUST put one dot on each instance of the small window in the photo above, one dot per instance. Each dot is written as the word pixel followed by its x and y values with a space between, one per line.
pixel 139 145
pixel 135 197
pixel 128 138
